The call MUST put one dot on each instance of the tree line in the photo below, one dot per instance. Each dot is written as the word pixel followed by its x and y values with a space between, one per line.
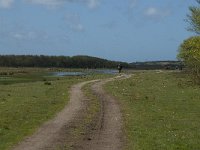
pixel 80 62
pixel 57 61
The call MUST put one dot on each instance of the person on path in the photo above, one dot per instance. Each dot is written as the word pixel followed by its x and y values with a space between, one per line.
pixel 119 67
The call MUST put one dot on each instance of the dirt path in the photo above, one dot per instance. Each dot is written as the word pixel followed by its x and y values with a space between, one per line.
pixel 49 135
pixel 106 136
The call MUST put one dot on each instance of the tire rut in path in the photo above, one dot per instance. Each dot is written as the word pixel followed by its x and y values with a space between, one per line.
pixel 108 135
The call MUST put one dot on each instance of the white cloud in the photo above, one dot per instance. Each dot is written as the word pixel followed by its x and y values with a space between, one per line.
pixel 151 11
pixel 133 3
pixel 24 35
pixel 156 13
pixel 73 22
pixel 6 3
pixel 55 3
pixel 93 3
pixel 77 27
pixel 47 2
pixel 17 36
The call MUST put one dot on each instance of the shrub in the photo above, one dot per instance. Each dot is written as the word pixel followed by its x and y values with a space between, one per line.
pixel 189 53
pixel 47 83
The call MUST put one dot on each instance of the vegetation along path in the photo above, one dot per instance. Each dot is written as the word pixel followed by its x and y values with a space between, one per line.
pixel 107 136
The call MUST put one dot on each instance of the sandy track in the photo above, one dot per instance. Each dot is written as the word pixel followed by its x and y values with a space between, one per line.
pixel 108 135
pixel 49 135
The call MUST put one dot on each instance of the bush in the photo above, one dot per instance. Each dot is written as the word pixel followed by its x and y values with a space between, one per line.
pixel 47 83
pixel 189 53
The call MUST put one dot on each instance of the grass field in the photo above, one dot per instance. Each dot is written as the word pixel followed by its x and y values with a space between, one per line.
pixel 161 111
pixel 22 75
pixel 28 99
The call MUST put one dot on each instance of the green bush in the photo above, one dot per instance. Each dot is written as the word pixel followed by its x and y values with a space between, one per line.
pixel 189 53
pixel 47 83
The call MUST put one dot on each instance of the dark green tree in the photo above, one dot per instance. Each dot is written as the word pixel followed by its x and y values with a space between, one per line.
pixel 194 18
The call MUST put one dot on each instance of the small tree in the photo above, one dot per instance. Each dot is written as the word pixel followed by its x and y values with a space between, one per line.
pixel 194 18
pixel 189 53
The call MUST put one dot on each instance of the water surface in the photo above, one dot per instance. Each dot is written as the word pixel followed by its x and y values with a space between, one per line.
pixel 87 72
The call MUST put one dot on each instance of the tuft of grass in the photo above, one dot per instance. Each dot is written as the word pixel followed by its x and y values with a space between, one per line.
pixel 160 111
pixel 47 83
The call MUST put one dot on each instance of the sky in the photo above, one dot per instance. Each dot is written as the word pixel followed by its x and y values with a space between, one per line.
pixel 121 30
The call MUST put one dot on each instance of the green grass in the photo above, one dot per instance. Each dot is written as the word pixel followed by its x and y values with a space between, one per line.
pixel 161 111
pixel 24 106
pixel 27 101
pixel 22 75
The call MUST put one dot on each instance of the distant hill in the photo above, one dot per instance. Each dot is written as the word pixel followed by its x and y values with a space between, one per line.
pixel 148 65
pixel 58 61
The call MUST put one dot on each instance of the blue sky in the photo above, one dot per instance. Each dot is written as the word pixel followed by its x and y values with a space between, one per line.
pixel 124 30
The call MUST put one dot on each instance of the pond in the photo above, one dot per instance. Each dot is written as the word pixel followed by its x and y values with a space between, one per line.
pixel 106 71
pixel 61 74
pixel 87 72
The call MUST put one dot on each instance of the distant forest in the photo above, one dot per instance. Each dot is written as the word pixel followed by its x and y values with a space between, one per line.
pixel 57 61
pixel 80 62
